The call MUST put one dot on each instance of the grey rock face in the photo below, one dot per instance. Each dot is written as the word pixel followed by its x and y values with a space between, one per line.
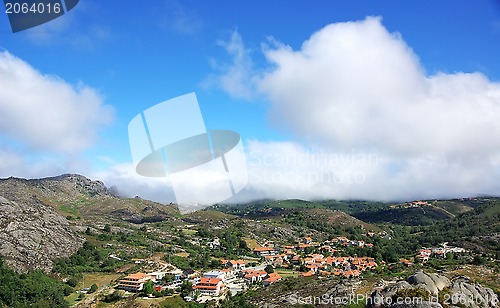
pixel 33 235
pixel 458 292
pixel 472 294
pixel 433 283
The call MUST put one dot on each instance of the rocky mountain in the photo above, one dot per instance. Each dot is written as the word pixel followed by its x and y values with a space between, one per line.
pixel 39 218
pixel 33 235
pixel 75 196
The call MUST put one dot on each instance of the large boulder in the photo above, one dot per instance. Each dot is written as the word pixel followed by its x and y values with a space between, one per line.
pixel 433 283
pixel 469 294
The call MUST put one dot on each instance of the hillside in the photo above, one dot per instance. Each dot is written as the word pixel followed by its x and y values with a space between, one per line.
pixel 40 219
pixel 477 229
pixel 418 213
pixel 322 215
pixel 32 234
pixel 77 197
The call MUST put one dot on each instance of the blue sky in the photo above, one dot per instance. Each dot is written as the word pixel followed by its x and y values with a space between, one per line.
pixel 128 56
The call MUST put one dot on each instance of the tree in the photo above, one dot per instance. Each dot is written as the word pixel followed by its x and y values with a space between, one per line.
pixel 167 278
pixel 302 268
pixel 156 293
pixel 186 288
pixel 107 228
pixel 93 288
pixel 269 269
pixel 167 292
pixel 148 287
pixel 72 282
pixel 113 297
pixel 88 231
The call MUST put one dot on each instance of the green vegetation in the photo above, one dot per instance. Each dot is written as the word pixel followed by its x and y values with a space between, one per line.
pixel 93 288
pixel 113 297
pixel 148 287
pixel 476 226
pixel 261 208
pixel 240 300
pixel 88 259
pixel 31 289
pixel 420 216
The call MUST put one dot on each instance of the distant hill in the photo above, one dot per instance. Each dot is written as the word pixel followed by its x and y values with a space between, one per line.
pixel 259 208
pixel 477 229
pixel 308 214
pixel 419 213
pixel 207 217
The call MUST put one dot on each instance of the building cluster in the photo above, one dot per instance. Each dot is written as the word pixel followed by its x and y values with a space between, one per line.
pixel 292 256
pixel 271 251
pixel 418 203
pixel 135 282
pixel 215 282
pixel 338 266
pixel 425 254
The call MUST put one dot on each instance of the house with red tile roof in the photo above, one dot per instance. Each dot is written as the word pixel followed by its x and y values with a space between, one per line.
pixel 307 274
pixel 133 282
pixel 209 286
pixel 252 276
pixel 405 262
pixel 265 251
pixel 236 264
pixel 271 278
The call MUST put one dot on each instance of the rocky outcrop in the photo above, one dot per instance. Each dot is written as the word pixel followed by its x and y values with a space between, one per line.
pixel 431 290
pixel 77 196
pixel 472 294
pixel 34 214
pixel 33 235
pixel 432 283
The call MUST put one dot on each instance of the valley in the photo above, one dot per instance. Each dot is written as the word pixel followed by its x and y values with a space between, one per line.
pixel 97 249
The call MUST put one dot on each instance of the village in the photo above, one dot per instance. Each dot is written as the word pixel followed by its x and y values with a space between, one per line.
pixel 270 263
pixel 305 258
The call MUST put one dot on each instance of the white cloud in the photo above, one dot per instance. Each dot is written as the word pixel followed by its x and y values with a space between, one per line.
pixel 19 162
pixel 355 88
pixel 129 184
pixel 44 112
pixel 363 87
pixel 235 78
pixel 174 16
